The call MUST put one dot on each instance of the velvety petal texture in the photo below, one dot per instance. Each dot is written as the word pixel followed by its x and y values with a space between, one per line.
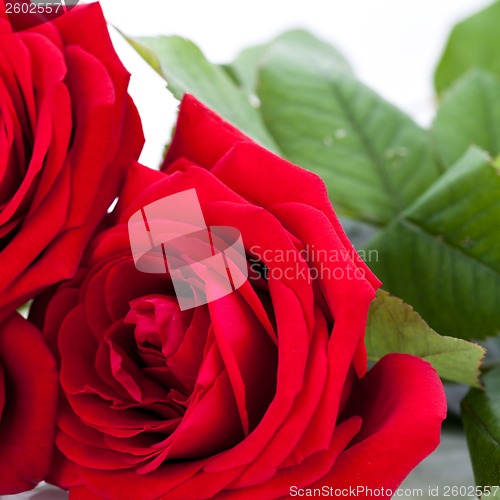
pixel 263 389
pixel 28 400
pixel 68 133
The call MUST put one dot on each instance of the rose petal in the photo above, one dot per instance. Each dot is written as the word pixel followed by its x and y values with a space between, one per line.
pixel 82 493
pixel 95 41
pixel 2 390
pixel 63 473
pixel 28 419
pixel 285 441
pixel 129 484
pixel 401 400
pixel 304 473
pixel 214 137
pixel 198 125
pixel 46 82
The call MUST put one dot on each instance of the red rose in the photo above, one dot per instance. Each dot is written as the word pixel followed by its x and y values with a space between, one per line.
pixel 28 397
pixel 257 392
pixel 68 132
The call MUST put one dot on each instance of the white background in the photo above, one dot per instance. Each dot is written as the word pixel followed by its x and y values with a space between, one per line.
pixel 393 46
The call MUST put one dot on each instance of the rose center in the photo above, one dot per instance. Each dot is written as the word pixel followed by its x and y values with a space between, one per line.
pixel 161 333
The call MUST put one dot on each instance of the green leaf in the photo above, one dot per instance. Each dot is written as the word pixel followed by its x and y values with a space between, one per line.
pixel 374 159
pixel 472 43
pixel 443 254
pixel 469 115
pixel 247 64
pixel 186 70
pixel 481 418
pixel 146 53
pixel 394 326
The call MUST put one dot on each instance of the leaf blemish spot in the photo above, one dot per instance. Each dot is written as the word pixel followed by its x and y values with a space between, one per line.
pixel 467 242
